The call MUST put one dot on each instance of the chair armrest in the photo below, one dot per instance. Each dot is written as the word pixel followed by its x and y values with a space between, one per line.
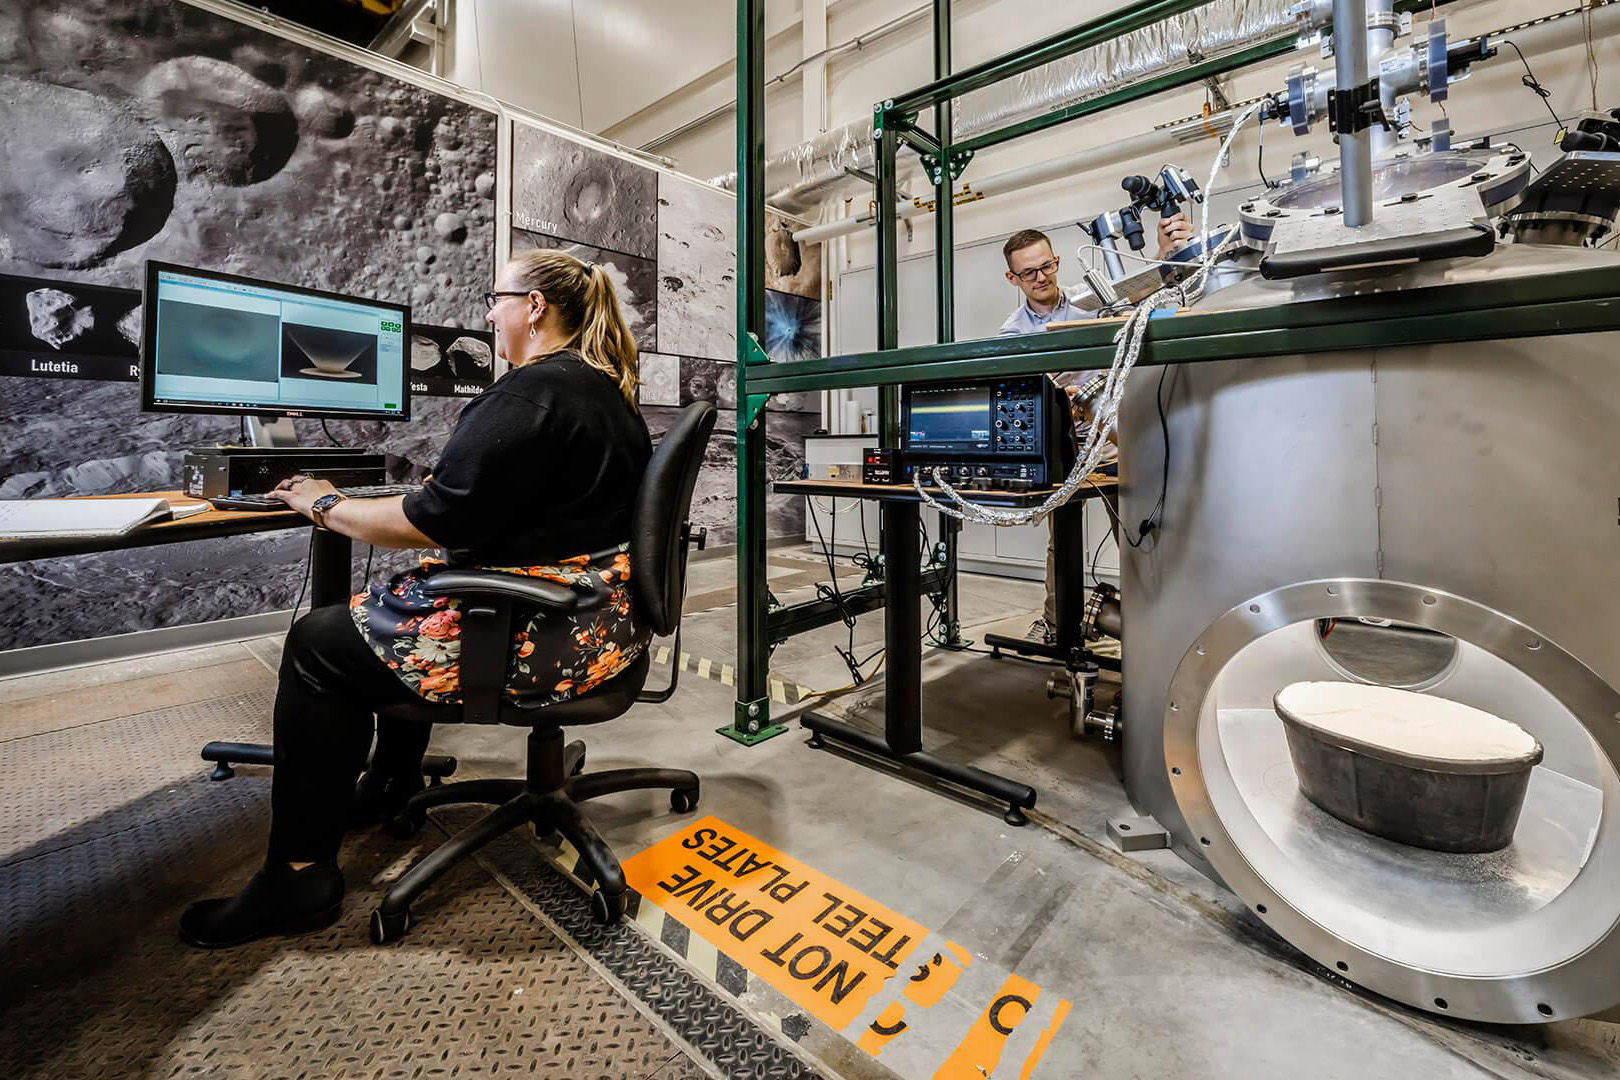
pixel 528 590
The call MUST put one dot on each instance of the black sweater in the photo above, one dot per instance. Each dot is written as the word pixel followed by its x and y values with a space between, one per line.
pixel 543 465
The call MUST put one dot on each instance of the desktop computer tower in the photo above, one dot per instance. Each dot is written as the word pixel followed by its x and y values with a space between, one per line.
pixel 249 470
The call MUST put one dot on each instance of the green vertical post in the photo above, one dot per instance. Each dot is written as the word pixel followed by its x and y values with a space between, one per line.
pixel 888 265
pixel 945 284
pixel 752 720
pixel 944 209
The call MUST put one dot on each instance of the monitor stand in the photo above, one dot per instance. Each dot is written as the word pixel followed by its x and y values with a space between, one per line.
pixel 272 432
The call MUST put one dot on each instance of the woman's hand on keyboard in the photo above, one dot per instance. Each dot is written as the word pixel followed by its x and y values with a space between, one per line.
pixel 300 492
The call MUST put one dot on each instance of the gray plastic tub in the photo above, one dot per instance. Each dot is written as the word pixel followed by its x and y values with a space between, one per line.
pixel 1439 804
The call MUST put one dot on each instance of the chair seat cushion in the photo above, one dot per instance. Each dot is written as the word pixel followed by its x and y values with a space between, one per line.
pixel 611 699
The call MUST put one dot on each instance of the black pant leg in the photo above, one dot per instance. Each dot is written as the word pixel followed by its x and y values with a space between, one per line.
pixel 330 683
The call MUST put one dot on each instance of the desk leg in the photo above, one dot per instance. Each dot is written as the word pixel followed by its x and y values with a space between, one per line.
pixel 330 580
pixel 950 531
pixel 331 573
pixel 902 700
pixel 1069 553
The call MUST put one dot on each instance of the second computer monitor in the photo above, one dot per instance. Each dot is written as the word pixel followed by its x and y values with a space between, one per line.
pixel 220 343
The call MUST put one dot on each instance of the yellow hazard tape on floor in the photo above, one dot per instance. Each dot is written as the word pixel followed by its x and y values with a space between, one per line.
pixel 782 692
pixel 836 953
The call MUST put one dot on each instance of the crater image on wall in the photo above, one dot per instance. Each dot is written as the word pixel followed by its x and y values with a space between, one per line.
pixel 68 330
pixel 790 267
pixel 635 280
pixel 565 188
pixel 697 269
pixel 792 327
pixel 447 361
pixel 152 129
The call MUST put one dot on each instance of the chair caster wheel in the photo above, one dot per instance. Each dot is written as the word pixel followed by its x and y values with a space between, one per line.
pixel 386 928
pixel 579 766
pixel 683 801
pixel 606 910
pixel 406 824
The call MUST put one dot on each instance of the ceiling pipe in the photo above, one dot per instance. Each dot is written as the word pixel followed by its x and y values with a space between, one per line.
pixel 1548 34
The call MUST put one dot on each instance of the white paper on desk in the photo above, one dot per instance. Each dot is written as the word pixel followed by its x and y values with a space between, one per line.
pixel 38 518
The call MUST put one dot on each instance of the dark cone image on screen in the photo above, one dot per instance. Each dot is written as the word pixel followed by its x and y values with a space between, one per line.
pixel 792 327
pixel 216 342
pixel 635 280
pixel 319 352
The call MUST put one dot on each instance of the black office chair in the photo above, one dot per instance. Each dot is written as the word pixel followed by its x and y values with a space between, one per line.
pixel 548 798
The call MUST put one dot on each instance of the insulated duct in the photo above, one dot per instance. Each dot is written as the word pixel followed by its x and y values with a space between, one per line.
pixel 793 176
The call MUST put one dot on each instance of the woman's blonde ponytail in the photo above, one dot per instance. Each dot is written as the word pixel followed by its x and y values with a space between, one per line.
pixel 604 339
pixel 584 295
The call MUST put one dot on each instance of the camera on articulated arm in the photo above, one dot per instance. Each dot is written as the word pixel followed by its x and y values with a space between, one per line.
pixel 1598 131
pixel 1167 194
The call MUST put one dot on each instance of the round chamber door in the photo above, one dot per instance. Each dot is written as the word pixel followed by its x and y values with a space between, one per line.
pixel 1525 934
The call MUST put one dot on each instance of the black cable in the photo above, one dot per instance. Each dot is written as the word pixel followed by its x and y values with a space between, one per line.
pixel 309 557
pixel 328 431
pixel 833 593
pixel 1095 555
pixel 1260 154
pixel 1533 83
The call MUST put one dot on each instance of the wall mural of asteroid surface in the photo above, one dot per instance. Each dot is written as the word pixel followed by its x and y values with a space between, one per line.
pixel 697 269
pixel 569 189
pixel 151 129
pixel 714 499
pixel 792 326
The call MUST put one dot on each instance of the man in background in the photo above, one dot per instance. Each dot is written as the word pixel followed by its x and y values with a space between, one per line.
pixel 1032 267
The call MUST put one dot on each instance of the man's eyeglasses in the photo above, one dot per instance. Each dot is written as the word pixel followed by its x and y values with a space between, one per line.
pixel 493 297
pixel 1048 268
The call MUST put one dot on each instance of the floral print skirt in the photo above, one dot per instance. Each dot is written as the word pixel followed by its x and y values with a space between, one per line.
pixel 555 656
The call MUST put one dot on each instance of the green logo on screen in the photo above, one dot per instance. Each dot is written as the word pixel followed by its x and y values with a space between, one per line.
pixel 393 326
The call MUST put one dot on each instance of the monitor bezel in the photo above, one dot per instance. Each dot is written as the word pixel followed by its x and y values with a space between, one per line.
pixel 940 457
pixel 148 362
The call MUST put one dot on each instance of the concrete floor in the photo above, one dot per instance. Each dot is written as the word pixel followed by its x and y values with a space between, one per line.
pixel 1168 975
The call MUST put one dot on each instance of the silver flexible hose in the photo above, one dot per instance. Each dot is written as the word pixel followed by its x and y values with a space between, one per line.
pixel 1127 349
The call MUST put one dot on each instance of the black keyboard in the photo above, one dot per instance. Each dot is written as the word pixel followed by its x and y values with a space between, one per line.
pixel 266 502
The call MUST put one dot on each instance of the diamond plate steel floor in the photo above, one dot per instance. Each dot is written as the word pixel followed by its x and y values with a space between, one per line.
pixel 108 829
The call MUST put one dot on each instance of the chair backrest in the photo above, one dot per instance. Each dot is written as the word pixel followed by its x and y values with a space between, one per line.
pixel 657 544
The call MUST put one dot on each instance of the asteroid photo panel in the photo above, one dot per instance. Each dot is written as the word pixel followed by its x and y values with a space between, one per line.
pixel 447 361
pixel 567 189
pixel 68 330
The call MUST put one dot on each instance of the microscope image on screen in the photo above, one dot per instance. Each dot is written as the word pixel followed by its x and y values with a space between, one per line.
pixel 324 353
pixel 217 342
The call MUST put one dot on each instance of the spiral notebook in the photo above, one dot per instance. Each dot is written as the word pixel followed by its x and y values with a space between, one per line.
pixel 33 519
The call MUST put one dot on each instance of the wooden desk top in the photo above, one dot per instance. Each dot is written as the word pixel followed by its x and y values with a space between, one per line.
pixel 1097 485
pixel 203 526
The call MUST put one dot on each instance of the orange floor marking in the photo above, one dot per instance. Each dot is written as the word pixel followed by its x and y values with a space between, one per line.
pixel 979 1053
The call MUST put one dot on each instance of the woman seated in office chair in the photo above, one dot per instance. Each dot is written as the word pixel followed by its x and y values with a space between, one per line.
pixel 538 478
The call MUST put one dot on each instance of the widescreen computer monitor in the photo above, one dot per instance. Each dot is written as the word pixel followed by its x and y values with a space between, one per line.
pixel 219 343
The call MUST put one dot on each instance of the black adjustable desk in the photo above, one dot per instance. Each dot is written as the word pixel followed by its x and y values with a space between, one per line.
pixel 902 630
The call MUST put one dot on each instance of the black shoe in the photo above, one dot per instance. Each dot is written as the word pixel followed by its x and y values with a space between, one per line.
pixel 278 900
pixel 379 797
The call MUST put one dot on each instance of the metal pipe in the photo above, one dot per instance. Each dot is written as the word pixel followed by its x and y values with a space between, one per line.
pixel 854 44
pixel 1380 43
pixel 1349 72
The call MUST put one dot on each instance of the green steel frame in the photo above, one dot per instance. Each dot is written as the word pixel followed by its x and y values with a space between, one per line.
pixel 1572 302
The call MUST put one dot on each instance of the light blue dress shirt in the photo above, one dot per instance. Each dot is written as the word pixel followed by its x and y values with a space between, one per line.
pixel 1026 320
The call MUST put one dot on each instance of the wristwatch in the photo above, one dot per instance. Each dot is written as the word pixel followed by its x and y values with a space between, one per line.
pixel 320 506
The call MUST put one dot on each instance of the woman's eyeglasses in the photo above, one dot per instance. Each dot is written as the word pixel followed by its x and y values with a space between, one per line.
pixel 1049 267
pixel 493 297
